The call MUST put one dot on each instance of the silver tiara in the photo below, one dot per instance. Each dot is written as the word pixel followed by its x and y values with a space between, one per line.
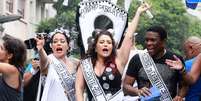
pixel 60 30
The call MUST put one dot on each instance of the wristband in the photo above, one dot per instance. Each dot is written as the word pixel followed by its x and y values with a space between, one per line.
pixel 183 70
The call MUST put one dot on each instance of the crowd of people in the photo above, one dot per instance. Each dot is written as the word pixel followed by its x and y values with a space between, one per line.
pixel 106 72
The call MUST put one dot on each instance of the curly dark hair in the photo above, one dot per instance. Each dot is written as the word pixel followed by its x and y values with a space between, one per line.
pixel 63 33
pixel 91 50
pixel 160 30
pixel 17 48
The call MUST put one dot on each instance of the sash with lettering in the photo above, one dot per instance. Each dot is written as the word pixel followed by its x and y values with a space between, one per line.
pixel 94 85
pixel 65 77
pixel 154 76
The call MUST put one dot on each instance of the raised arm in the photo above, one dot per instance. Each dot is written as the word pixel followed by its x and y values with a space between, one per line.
pixel 193 75
pixel 123 52
pixel 42 54
pixel 10 74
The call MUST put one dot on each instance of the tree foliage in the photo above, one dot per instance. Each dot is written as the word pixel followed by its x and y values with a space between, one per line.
pixel 170 14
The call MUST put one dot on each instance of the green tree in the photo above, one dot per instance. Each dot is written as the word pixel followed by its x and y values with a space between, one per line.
pixel 65 18
pixel 172 16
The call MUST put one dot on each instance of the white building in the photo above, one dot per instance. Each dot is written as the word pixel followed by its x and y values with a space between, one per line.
pixel 32 12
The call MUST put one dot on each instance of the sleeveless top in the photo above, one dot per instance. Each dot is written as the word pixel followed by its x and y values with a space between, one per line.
pixel 8 93
pixel 110 81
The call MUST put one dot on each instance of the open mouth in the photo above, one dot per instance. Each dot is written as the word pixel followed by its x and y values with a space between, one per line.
pixel 105 50
pixel 59 49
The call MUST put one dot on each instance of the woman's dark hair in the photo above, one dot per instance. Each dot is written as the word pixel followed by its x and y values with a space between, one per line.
pixel 160 30
pixel 17 48
pixel 63 33
pixel 91 50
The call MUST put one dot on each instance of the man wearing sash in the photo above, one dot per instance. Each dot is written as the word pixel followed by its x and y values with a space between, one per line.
pixel 61 69
pixel 156 80
pixel 101 71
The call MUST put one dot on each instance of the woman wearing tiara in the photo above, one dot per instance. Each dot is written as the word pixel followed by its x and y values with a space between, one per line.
pixel 101 71
pixel 61 69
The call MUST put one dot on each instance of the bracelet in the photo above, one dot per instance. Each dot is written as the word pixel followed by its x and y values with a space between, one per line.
pixel 183 70
pixel 33 71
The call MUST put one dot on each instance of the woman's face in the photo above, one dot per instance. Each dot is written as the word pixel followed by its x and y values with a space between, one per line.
pixel 59 45
pixel 3 53
pixel 104 46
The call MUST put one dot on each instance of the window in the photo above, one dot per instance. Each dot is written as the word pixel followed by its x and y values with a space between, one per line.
pixel 21 8
pixel 9 5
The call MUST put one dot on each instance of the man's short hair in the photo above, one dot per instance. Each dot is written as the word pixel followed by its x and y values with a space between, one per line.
pixel 160 30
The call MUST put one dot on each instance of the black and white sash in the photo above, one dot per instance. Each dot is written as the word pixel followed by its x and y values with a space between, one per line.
pixel 94 85
pixel 65 77
pixel 154 76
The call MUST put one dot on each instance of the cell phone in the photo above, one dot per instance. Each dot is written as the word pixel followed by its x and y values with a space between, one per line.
pixel 30 43
pixel 36 58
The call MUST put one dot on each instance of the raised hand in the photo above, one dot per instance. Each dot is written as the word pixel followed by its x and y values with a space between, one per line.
pixel 143 7
pixel 40 42
pixel 175 64
pixel 35 63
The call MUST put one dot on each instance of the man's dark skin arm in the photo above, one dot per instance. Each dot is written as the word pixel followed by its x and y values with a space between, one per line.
pixel 133 91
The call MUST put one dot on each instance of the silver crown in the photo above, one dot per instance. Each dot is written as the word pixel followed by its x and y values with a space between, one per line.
pixel 60 30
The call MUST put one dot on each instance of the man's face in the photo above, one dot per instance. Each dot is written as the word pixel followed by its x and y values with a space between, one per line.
pixel 153 43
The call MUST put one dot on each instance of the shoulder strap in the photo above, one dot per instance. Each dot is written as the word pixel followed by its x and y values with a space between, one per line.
pixel 154 76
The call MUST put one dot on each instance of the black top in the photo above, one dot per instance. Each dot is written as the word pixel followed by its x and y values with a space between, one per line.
pixel 30 91
pixel 8 93
pixel 170 77
pixel 110 81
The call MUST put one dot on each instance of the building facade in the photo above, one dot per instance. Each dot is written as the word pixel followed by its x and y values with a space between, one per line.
pixel 31 11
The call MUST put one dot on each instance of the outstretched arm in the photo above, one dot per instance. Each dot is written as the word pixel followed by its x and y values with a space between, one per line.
pixel 193 75
pixel 10 74
pixel 42 54
pixel 123 52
